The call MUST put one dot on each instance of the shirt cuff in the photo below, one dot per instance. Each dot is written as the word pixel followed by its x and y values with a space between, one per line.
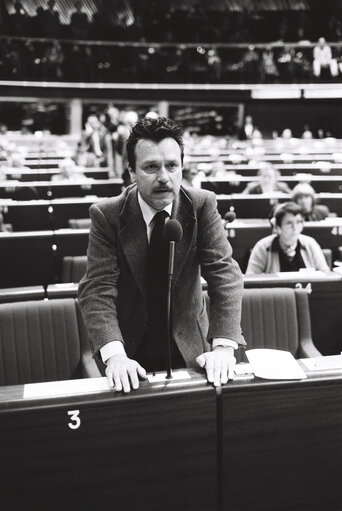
pixel 112 348
pixel 225 343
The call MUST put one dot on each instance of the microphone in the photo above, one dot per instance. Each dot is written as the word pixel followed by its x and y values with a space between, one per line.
pixel 230 216
pixel 173 233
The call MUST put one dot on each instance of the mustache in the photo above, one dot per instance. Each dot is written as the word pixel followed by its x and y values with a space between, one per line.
pixel 162 189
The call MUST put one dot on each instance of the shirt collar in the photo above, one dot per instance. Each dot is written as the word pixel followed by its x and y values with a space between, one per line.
pixel 148 212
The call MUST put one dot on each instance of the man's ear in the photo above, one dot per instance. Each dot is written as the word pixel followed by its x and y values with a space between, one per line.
pixel 132 174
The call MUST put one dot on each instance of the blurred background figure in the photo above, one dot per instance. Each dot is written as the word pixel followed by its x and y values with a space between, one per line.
pixel 190 175
pixel 83 157
pixel 97 140
pixel 304 195
pixel 287 249
pixel 307 133
pixel 69 171
pixel 268 181
pixel 323 60
pixel 247 129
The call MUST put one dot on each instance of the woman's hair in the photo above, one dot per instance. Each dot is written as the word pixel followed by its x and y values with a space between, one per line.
pixel 155 130
pixel 280 211
pixel 303 189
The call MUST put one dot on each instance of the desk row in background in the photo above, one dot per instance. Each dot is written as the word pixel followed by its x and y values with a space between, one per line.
pixel 237 183
pixel 50 190
pixel 260 206
pixel 45 174
pixel 46 214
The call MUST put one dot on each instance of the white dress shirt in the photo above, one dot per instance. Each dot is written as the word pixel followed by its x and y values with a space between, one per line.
pixel 116 347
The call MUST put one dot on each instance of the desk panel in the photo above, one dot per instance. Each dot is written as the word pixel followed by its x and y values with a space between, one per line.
pixel 26 259
pixel 153 449
pixel 282 446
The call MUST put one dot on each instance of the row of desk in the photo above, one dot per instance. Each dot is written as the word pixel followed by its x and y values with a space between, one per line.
pixel 45 214
pixel 323 169
pixel 36 257
pixel 178 444
pixel 260 206
pixel 44 174
pixel 242 235
pixel 237 183
pixel 59 189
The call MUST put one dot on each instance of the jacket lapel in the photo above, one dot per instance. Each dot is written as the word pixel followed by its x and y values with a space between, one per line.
pixel 183 211
pixel 133 238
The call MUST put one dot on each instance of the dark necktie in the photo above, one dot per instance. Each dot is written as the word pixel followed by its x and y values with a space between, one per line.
pixel 157 270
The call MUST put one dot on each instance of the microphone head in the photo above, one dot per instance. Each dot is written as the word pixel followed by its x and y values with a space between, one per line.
pixel 173 230
pixel 230 216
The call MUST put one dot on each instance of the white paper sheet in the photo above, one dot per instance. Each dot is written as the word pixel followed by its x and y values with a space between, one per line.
pixel 305 273
pixel 323 363
pixel 65 387
pixel 274 364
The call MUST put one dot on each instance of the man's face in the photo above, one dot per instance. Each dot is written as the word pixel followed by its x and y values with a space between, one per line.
pixel 158 171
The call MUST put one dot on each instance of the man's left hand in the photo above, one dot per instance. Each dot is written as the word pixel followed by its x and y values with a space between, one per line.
pixel 219 365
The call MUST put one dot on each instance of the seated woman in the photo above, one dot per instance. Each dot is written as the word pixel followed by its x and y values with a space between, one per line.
pixel 304 195
pixel 287 249
pixel 268 181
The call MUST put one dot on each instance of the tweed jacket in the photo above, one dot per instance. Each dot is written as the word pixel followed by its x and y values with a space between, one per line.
pixel 112 293
pixel 265 259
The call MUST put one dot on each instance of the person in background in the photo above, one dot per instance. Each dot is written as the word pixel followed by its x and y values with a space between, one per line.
pixel 268 181
pixel 287 249
pixel 69 171
pixel 304 195
pixel 322 59
pixel 189 175
pixel 83 157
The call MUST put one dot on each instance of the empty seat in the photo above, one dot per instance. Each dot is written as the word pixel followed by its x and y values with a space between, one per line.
pixel 74 267
pixel 43 341
pixel 277 318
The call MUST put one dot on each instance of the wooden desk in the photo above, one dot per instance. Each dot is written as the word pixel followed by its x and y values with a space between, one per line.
pixel 150 450
pixel 26 259
pixel 236 184
pixel 260 206
pixel 282 444
pixel 50 190
pixel 45 214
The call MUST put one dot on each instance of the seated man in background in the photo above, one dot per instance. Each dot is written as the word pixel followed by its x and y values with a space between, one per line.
pixel 287 249
pixel 268 181
pixel 69 171
pixel 322 59
pixel 304 195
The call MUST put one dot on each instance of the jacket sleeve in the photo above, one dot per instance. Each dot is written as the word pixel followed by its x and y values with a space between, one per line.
pixel 320 262
pixel 222 273
pixel 98 291
pixel 257 260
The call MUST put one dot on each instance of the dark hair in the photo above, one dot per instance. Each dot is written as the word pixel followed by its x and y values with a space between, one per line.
pixel 280 211
pixel 155 130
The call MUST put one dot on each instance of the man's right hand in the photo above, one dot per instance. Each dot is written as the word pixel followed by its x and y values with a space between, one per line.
pixel 124 373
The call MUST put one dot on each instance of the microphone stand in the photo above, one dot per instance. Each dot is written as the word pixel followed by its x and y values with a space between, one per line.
pixel 168 315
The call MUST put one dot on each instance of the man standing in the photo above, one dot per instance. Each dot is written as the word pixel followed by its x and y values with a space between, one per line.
pixel 122 295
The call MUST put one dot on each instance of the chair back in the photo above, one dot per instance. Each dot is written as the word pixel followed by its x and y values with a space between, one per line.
pixel 271 319
pixel 39 341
